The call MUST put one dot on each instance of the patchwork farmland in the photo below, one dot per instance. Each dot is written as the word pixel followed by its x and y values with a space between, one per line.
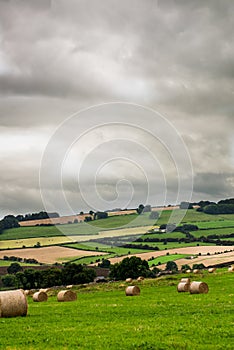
pixel 101 316
pixel 124 235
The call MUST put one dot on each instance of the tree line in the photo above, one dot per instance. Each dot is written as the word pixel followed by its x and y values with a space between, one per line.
pixel 224 206
pixel 30 278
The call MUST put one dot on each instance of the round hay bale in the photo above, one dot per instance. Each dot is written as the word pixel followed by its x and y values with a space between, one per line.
pixel 211 269
pixel 185 280
pixel 45 290
pixel 231 269
pixel 140 278
pixel 188 271
pixel 66 295
pixel 183 287
pixel 40 296
pixel 31 291
pixel 132 290
pixel 129 280
pixel 13 303
pixel 195 271
pixel 70 286
pixel 198 288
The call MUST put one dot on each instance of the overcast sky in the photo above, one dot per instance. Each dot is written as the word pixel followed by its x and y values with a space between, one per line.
pixel 60 57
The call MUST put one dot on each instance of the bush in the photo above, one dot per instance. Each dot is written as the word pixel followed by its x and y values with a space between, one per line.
pixel 130 267
pixel 100 215
pixel 171 266
pixel 9 281
pixel 13 268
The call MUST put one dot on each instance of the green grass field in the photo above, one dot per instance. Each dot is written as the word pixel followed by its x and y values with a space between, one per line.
pixel 214 224
pixel 8 263
pixel 114 251
pixel 103 318
pixel 165 258
pixel 216 231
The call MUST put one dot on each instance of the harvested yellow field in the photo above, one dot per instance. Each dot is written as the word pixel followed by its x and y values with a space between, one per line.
pixel 49 255
pixel 125 231
pixel 60 220
pixel 30 242
pixel 45 241
pixel 193 251
pixel 207 260
pixel 112 233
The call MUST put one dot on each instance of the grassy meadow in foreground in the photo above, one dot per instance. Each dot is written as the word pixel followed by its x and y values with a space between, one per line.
pixel 104 318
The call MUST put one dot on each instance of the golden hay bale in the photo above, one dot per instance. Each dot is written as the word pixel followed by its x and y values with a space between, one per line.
pixel 183 287
pixel 211 269
pixel 40 296
pixel 185 280
pixel 188 271
pixel 196 271
pixel 132 290
pixel 31 291
pixel 13 303
pixel 231 269
pixel 45 290
pixel 66 295
pixel 128 280
pixel 198 288
pixel 70 286
pixel 140 278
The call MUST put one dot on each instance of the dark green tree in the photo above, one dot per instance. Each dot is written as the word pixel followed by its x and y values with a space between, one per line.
pixel 14 267
pixel 100 215
pixel 105 263
pixel 9 281
pixel 140 209
pixel 171 266
pixel 130 267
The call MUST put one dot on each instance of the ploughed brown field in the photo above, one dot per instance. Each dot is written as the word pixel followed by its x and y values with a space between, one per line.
pixel 48 255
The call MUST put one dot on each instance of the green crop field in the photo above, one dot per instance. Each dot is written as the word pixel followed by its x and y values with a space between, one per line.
pixel 114 251
pixel 214 231
pixel 165 258
pixel 213 224
pixel 191 216
pixel 103 318
pixel 48 231
pixel 9 262
pixel 164 235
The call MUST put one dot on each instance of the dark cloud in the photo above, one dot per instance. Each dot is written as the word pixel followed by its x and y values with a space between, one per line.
pixel 214 185
pixel 57 57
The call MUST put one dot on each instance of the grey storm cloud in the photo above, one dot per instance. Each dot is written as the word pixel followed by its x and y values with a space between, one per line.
pixel 58 57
